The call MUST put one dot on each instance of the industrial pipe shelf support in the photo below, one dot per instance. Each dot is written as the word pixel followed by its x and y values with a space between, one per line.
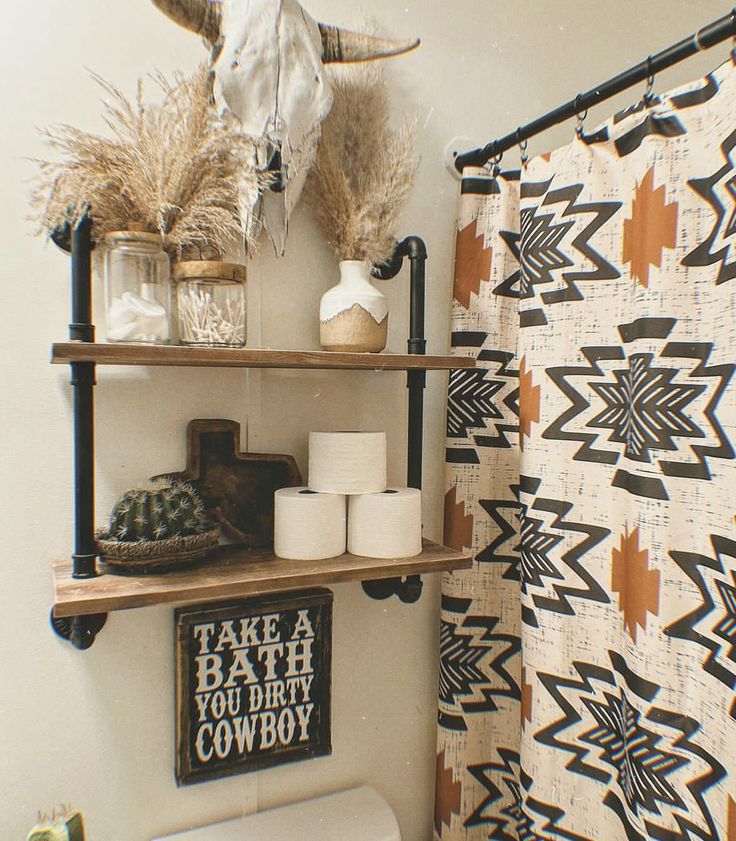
pixel 81 631
pixel 409 590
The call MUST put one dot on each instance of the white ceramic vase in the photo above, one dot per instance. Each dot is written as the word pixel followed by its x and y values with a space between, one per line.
pixel 353 316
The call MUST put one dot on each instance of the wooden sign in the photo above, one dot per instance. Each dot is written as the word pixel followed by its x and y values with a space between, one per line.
pixel 253 684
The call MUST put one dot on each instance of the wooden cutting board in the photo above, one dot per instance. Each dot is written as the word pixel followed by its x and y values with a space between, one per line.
pixel 236 488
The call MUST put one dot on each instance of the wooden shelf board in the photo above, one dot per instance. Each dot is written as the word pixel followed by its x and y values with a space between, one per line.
pixel 174 355
pixel 231 573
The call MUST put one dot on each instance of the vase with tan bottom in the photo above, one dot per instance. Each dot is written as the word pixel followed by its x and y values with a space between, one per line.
pixel 353 316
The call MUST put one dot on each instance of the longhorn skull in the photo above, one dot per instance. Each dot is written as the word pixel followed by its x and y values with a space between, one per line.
pixel 269 64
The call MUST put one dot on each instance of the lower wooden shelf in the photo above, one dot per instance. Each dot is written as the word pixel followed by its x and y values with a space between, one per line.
pixel 231 573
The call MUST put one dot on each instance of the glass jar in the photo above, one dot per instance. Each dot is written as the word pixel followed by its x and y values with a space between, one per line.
pixel 211 304
pixel 137 288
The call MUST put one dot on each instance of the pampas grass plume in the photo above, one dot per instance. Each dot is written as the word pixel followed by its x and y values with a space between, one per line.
pixel 177 168
pixel 364 169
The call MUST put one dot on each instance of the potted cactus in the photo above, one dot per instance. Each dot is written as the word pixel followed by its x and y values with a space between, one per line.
pixel 159 525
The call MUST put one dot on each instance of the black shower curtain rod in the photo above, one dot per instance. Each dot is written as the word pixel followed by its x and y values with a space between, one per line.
pixel 707 37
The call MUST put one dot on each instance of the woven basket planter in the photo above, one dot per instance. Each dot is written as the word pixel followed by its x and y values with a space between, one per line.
pixel 151 556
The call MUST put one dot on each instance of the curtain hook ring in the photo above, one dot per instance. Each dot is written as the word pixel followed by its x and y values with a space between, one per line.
pixel 523 146
pixel 494 158
pixel 581 115
pixel 648 98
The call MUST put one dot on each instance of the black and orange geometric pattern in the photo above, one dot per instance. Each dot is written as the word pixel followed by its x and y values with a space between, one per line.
pixel 588 661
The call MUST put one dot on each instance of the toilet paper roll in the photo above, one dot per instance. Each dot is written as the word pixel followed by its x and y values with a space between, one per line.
pixel 309 526
pixel 386 525
pixel 347 462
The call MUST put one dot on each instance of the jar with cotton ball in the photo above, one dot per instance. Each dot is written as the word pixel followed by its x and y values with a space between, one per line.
pixel 137 287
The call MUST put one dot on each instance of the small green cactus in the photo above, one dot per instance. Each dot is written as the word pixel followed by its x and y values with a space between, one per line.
pixel 158 510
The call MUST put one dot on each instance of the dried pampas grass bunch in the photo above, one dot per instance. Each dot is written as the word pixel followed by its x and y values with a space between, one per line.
pixel 177 168
pixel 364 169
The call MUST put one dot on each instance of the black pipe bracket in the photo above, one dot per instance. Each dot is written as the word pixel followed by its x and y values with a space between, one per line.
pixel 81 631
pixel 413 248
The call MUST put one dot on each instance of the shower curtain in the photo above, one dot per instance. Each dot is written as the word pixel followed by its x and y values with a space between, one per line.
pixel 588 661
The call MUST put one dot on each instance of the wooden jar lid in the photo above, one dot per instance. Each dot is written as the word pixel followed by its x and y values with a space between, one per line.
pixel 210 270
pixel 133 236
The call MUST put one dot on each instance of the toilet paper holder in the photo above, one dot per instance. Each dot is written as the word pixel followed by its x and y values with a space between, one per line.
pixel 409 590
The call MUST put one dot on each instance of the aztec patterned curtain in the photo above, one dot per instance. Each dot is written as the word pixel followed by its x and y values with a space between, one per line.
pixel 588 662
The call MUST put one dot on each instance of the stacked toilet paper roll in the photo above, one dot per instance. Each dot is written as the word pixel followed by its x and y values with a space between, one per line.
pixel 386 525
pixel 347 462
pixel 313 523
pixel 309 526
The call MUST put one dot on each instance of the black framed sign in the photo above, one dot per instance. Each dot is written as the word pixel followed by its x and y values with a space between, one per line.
pixel 253 684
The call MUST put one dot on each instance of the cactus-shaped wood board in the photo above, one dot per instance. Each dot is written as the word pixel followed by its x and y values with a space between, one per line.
pixel 236 488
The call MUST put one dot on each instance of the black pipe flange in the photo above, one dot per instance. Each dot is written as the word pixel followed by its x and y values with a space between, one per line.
pixel 409 590
pixel 80 631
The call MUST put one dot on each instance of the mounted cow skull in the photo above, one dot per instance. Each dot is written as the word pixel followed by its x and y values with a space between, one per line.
pixel 269 58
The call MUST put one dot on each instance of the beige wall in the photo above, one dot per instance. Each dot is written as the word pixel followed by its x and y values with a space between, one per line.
pixel 96 728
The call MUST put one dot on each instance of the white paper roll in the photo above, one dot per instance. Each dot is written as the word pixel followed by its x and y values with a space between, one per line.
pixel 309 526
pixel 386 525
pixel 347 462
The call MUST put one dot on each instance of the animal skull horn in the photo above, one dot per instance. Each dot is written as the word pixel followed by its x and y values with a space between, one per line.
pixel 341 45
pixel 338 45
pixel 200 16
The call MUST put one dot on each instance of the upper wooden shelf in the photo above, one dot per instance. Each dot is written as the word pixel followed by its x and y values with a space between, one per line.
pixel 231 573
pixel 174 355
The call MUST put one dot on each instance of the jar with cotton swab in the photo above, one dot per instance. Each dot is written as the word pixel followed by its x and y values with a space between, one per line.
pixel 211 303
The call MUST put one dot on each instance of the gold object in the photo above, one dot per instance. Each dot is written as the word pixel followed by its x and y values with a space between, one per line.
pixel 66 827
